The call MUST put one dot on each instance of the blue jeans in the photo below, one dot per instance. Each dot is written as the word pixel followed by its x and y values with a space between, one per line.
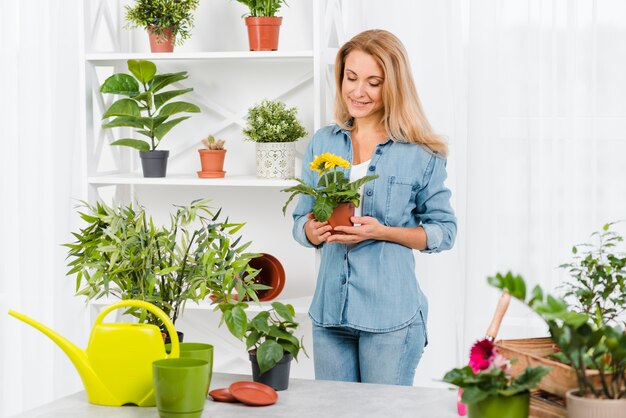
pixel 350 355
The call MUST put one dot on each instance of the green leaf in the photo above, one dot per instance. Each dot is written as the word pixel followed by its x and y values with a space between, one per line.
pixel 133 143
pixel 268 354
pixel 161 98
pixel 236 321
pixel 123 121
pixel 142 69
pixel 473 394
pixel 178 107
pixel 162 80
pixel 164 128
pixel 123 107
pixel 322 209
pixel 283 311
pixel 122 84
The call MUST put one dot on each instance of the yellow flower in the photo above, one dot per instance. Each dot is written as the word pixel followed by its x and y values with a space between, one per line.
pixel 327 162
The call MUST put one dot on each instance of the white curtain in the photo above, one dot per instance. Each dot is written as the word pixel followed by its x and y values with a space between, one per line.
pixel 40 176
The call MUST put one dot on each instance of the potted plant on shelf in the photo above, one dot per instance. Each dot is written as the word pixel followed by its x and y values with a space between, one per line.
pixel 584 345
pixel 335 196
pixel 212 158
pixel 274 128
pixel 146 109
pixel 263 26
pixel 120 252
pixel 269 340
pixel 489 390
pixel 168 22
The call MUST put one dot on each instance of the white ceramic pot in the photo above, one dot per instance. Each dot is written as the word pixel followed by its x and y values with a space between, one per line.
pixel 275 160
pixel 578 407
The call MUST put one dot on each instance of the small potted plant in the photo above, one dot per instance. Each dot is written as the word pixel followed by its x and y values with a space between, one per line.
pixel 335 196
pixel 263 24
pixel 274 128
pixel 489 390
pixel 269 340
pixel 585 345
pixel 168 22
pixel 120 252
pixel 146 109
pixel 212 158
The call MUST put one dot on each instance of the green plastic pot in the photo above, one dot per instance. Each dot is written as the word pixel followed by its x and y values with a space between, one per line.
pixel 501 407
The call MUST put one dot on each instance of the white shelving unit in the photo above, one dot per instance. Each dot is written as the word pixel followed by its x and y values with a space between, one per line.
pixel 227 80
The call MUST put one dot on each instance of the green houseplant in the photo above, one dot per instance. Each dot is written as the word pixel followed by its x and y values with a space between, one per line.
pixel 489 390
pixel 585 345
pixel 263 24
pixel 274 128
pixel 121 252
pixel 335 195
pixel 145 107
pixel 168 22
pixel 269 340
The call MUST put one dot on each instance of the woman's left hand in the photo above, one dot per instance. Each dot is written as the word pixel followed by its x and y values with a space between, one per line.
pixel 370 228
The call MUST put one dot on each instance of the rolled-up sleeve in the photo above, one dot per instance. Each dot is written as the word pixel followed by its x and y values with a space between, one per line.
pixel 434 209
pixel 305 202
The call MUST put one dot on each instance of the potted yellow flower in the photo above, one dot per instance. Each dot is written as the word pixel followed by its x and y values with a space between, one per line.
pixel 335 195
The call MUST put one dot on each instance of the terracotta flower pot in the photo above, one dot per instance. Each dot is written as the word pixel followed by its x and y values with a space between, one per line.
pixel 263 32
pixel 212 162
pixel 163 43
pixel 341 216
pixel 272 274
pixel 579 407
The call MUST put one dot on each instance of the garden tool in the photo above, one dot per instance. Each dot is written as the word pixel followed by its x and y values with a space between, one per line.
pixel 492 332
pixel 116 367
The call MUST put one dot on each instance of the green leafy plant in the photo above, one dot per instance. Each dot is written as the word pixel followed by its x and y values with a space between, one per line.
pixel 121 252
pixel 333 187
pixel 599 278
pixel 211 143
pixel 489 375
pixel 584 344
pixel 272 121
pixel 263 7
pixel 159 15
pixel 269 334
pixel 146 108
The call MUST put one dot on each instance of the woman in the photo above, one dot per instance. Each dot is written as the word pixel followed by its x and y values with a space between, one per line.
pixel 368 312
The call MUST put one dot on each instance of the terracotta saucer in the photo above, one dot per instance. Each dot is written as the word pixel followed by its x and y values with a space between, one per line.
pixel 253 393
pixel 211 174
pixel 222 395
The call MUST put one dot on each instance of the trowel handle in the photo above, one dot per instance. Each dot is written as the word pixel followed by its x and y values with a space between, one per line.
pixel 503 305
pixel 151 308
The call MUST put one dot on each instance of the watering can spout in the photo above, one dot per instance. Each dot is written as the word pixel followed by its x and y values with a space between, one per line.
pixel 79 358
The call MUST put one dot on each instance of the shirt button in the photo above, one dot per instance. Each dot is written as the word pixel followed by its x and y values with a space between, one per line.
pixel 372 168
pixel 379 151
pixel 343 280
pixel 345 256
pixel 369 193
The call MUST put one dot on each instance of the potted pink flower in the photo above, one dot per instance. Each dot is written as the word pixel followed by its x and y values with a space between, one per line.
pixel 489 390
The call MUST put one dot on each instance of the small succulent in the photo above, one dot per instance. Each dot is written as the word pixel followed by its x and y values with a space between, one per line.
pixel 213 144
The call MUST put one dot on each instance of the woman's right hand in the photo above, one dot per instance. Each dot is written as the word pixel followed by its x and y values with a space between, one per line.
pixel 316 232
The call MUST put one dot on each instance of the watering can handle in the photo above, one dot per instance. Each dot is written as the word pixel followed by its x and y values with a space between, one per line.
pixel 151 308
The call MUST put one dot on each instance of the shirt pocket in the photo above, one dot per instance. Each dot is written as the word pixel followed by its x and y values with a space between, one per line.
pixel 400 197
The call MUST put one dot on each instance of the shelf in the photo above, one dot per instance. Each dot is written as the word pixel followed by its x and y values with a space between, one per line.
pixel 104 58
pixel 188 180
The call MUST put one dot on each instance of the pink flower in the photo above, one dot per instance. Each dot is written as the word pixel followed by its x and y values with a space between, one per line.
pixel 501 362
pixel 481 355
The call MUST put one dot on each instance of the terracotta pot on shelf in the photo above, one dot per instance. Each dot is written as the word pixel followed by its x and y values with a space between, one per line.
pixel 162 43
pixel 272 274
pixel 212 162
pixel 341 216
pixel 263 32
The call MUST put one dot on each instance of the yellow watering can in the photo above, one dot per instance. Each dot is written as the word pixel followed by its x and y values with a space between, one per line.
pixel 116 368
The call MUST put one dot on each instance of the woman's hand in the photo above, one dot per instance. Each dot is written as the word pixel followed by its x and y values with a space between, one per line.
pixel 370 229
pixel 316 232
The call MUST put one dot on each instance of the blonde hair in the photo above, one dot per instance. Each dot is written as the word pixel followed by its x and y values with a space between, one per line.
pixel 403 116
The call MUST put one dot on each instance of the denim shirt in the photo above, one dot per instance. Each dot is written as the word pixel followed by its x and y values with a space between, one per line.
pixel 371 286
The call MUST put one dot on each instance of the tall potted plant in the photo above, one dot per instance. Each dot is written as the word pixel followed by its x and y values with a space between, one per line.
pixel 269 340
pixel 584 344
pixel 120 252
pixel 335 196
pixel 274 128
pixel 263 24
pixel 168 22
pixel 145 107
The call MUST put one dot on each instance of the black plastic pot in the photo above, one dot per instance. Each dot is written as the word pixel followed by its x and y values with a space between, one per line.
pixel 154 163
pixel 276 377
pixel 167 337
